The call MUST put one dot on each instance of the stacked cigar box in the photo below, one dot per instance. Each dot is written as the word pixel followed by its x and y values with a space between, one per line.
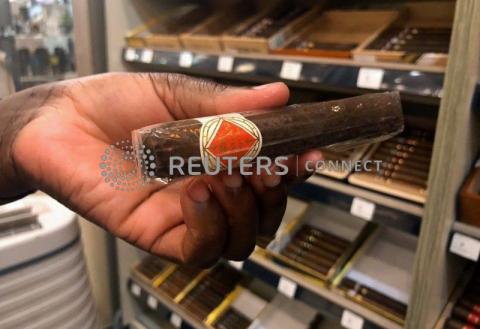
pixel 379 275
pixel 470 198
pixel 320 242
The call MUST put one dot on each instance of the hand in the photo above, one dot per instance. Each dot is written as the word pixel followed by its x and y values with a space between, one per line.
pixel 60 131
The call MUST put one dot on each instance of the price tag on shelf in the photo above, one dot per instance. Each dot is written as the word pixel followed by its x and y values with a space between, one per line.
pixel 351 321
pixel 176 320
pixel 370 78
pixel 135 289
pixel 237 265
pixel 130 54
pixel 186 59
pixel 465 246
pixel 287 287
pixel 362 208
pixel 147 56
pixel 225 64
pixel 291 70
pixel 152 302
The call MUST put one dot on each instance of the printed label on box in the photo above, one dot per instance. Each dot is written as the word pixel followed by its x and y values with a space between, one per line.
pixel 370 78
pixel 130 54
pixel 291 70
pixel 147 56
pixel 237 265
pixel 351 321
pixel 152 302
pixel 176 320
pixel 186 59
pixel 135 289
pixel 465 246
pixel 287 287
pixel 362 208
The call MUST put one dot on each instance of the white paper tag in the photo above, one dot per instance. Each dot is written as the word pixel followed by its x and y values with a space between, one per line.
pixel 152 302
pixel 370 78
pixel 351 320
pixel 237 265
pixel 176 320
pixel 135 289
pixel 362 208
pixel 130 54
pixel 147 56
pixel 465 246
pixel 186 59
pixel 225 64
pixel 287 287
pixel 291 70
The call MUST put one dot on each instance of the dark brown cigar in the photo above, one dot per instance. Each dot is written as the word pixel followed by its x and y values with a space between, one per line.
pixel 319 243
pixel 317 267
pixel 310 256
pixel 318 251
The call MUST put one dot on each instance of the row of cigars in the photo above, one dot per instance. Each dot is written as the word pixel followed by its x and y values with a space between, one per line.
pixel 223 297
pixel 413 32
pixel 359 260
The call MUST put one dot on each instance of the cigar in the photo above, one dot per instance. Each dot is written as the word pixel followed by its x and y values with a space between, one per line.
pixel 470 306
pixel 456 324
pixel 315 250
pixel 319 243
pixel 310 256
pixel 465 315
pixel 409 148
pixel 167 151
pixel 420 174
pixel 325 235
pixel 404 163
pixel 317 267
pixel 405 155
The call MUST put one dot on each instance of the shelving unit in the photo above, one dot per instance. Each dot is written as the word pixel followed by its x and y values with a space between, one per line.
pixel 456 92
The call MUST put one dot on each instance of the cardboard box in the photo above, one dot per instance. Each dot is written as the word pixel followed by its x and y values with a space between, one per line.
pixel 162 32
pixel 295 18
pixel 383 266
pixel 333 222
pixel 338 33
pixel 432 14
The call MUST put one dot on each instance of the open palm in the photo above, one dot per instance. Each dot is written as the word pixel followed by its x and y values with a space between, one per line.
pixel 196 220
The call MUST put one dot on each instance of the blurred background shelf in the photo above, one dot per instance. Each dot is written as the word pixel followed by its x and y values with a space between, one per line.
pixel 416 83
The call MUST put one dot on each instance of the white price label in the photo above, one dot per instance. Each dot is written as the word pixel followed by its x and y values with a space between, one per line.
pixel 130 55
pixel 291 70
pixel 135 289
pixel 370 78
pixel 176 320
pixel 237 265
pixel 152 302
pixel 287 287
pixel 147 56
pixel 362 208
pixel 351 320
pixel 465 246
pixel 225 64
pixel 186 59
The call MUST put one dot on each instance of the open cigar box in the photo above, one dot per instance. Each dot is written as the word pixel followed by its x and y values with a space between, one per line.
pixel 206 36
pixel 403 167
pixel 338 33
pixel 422 36
pixel 268 29
pixel 470 198
pixel 163 32
pixel 339 164
pixel 379 275
pixel 320 242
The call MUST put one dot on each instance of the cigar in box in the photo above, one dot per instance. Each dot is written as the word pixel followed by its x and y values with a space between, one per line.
pixel 150 267
pixel 170 150
pixel 457 324
pixel 470 198
pixel 466 315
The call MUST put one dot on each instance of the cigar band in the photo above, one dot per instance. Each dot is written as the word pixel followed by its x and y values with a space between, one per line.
pixel 228 135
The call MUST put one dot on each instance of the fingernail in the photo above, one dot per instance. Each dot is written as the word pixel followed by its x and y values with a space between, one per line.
pixel 265 86
pixel 198 191
pixel 233 181
pixel 271 181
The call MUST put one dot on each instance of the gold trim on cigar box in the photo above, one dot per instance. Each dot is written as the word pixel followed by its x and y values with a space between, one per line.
pixel 223 306
pixel 189 287
pixel 159 279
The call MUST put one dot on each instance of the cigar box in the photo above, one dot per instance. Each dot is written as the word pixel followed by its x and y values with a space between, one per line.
pixel 283 312
pixel 338 33
pixel 403 170
pixel 206 36
pixel 295 209
pixel 421 36
pixel 149 268
pixel 339 164
pixel 269 28
pixel 470 198
pixel 320 242
pixel 379 274
pixel 163 32
pixel 238 310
